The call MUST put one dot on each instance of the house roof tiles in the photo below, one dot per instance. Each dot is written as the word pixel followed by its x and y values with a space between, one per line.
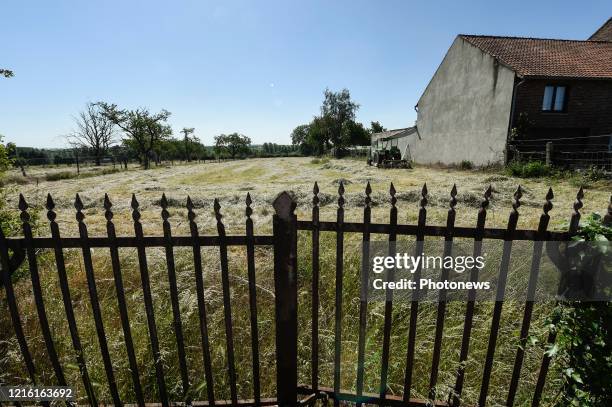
pixel 538 57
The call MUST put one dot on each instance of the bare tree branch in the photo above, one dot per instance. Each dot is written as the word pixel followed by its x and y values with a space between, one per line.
pixel 94 131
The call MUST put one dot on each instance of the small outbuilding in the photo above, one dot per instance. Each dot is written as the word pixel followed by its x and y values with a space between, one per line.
pixel 400 138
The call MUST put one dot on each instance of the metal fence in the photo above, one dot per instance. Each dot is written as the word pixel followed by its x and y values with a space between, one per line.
pixel 14 250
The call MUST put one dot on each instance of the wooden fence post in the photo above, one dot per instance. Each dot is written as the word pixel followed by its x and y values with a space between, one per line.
pixel 285 286
pixel 549 153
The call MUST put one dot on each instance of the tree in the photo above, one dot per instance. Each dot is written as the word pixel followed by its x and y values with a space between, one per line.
pixel 355 134
pixel 5 161
pixel 94 131
pixel 299 135
pixel 189 142
pixel 143 131
pixel 337 109
pixel 376 127
pixel 232 144
pixel 6 73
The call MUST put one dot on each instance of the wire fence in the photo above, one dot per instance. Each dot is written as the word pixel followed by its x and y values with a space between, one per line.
pixel 566 152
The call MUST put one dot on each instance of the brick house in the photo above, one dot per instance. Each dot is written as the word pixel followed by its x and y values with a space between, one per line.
pixel 492 92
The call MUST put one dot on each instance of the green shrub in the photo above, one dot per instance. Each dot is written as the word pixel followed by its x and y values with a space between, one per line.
pixel 466 165
pixel 584 338
pixel 588 177
pixel 319 160
pixel 57 176
pixel 529 169
pixel 595 173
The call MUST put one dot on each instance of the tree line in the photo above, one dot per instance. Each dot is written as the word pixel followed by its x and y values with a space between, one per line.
pixel 103 130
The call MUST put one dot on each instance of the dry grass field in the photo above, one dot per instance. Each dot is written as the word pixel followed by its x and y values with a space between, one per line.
pixel 264 179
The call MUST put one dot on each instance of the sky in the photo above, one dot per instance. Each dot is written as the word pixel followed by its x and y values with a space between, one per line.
pixel 254 67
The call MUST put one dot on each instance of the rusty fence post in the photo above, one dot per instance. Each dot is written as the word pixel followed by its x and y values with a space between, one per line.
pixel 285 288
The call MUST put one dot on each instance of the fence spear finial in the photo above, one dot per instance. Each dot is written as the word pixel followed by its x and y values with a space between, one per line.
pixel 368 192
pixel 516 203
pixel 453 200
pixel 163 202
pixel 341 195
pixel 392 193
pixel 78 205
pixel 578 203
pixel 190 213
pixel 487 196
pixel 423 201
pixel 50 205
pixel 248 211
pixel 315 193
pixel 23 207
pixel 217 209
pixel 548 205
pixel 135 212
pixel 108 213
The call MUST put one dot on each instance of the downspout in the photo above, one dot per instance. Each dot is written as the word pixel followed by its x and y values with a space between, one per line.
pixel 512 109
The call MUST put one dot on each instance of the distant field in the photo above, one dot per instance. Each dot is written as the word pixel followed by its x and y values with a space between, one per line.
pixel 264 179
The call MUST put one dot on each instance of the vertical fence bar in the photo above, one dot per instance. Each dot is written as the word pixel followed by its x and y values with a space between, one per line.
pixel 448 245
pixel 176 311
pixel 531 288
pixel 252 299
pixel 552 334
pixel 285 288
pixel 501 287
pixel 363 299
pixel 384 370
pixel 63 281
pixel 414 304
pixel 148 302
pixel 95 303
pixel 469 312
pixel 339 274
pixel 37 291
pixel 197 264
pixel 123 312
pixel 14 309
pixel 315 289
pixel 227 306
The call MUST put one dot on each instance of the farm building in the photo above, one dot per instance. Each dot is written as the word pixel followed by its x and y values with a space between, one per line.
pixel 496 97
pixel 399 138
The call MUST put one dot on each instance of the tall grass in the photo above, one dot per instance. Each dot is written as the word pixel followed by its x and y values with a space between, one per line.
pixel 12 368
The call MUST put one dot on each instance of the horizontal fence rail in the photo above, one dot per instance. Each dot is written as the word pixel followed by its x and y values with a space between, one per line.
pixel 285 226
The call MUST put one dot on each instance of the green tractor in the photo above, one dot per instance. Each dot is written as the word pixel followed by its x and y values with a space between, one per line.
pixel 385 153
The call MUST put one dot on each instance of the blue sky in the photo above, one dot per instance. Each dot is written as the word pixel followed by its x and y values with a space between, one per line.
pixel 256 67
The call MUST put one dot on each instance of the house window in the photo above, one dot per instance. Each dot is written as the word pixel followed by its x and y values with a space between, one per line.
pixel 554 98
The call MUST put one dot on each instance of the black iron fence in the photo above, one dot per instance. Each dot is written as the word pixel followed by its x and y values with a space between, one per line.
pixel 13 252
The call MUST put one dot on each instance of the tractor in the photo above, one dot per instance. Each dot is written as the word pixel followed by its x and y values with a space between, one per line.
pixel 385 153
